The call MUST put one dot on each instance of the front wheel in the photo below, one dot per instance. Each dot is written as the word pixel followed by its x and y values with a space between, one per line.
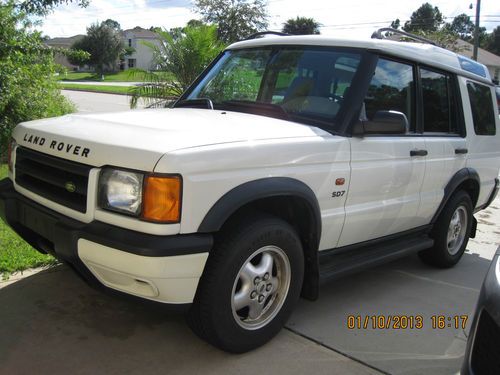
pixel 451 232
pixel 251 283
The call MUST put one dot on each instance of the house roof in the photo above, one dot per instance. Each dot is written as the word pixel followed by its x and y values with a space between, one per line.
pixel 484 57
pixel 64 41
pixel 139 32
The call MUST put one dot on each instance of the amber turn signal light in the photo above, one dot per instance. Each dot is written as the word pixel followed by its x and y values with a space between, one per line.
pixel 162 199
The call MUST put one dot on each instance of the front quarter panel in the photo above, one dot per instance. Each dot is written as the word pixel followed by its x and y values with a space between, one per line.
pixel 210 172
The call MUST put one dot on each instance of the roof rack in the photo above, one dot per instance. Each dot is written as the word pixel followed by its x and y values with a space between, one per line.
pixel 262 33
pixel 378 35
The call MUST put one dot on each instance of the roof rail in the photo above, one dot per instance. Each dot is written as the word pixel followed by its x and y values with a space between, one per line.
pixel 262 33
pixel 378 35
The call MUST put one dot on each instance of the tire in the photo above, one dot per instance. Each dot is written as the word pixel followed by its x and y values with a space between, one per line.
pixel 451 232
pixel 243 301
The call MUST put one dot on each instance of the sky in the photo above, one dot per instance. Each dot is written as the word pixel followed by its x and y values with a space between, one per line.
pixel 351 18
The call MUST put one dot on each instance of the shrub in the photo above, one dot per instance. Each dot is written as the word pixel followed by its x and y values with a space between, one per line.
pixel 28 90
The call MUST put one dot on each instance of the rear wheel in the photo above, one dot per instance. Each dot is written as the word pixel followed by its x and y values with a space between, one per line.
pixel 251 283
pixel 451 232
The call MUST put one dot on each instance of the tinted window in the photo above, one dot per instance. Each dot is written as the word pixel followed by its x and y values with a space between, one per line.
pixel 391 89
pixel 439 104
pixel 481 103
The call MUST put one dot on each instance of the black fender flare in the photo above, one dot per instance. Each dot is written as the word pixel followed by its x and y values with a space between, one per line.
pixel 270 187
pixel 251 191
pixel 463 175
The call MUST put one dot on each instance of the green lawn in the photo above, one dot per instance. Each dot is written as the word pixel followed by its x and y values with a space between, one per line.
pixel 109 77
pixel 101 88
pixel 125 76
pixel 15 254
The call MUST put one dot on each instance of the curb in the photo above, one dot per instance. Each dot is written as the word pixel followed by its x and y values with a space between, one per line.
pixel 94 91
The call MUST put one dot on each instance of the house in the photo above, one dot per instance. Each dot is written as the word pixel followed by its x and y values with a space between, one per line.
pixel 142 57
pixel 64 43
pixel 487 58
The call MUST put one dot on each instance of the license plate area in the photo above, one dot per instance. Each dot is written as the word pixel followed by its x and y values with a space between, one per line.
pixel 40 223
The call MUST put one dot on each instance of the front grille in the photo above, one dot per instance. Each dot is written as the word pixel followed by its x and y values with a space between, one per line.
pixel 53 178
pixel 486 351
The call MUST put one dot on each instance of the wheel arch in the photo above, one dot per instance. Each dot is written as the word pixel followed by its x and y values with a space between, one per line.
pixel 466 179
pixel 283 197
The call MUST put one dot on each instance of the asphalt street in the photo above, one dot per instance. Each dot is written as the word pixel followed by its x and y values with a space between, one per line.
pixel 95 102
pixel 52 322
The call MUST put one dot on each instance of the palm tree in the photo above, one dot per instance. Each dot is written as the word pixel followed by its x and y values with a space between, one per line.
pixel 301 26
pixel 180 58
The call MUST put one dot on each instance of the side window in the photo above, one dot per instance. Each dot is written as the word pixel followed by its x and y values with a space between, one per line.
pixel 392 88
pixel 481 103
pixel 439 102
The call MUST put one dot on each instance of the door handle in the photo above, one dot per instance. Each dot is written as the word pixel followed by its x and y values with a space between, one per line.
pixel 418 152
pixel 461 151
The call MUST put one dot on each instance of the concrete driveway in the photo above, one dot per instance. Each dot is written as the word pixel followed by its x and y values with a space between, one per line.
pixel 52 322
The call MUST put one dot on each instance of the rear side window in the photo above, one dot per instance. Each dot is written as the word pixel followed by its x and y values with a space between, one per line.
pixel 439 102
pixel 481 103
pixel 391 89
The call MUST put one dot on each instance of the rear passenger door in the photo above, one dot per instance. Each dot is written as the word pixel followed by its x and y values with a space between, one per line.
pixel 444 136
pixel 384 189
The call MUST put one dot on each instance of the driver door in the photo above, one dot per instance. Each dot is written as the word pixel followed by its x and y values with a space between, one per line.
pixel 387 171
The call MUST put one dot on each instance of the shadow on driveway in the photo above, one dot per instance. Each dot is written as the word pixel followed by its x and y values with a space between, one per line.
pixel 53 323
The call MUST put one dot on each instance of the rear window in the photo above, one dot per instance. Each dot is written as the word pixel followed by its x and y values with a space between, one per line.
pixel 483 113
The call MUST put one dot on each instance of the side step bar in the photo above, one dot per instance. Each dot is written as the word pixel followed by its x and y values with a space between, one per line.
pixel 334 264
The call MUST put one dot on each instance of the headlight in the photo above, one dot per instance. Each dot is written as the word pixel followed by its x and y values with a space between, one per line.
pixel 121 191
pixel 154 198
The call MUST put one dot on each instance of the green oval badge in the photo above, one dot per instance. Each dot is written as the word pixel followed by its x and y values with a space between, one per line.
pixel 70 187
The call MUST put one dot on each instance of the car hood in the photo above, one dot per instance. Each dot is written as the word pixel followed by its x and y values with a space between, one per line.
pixel 137 139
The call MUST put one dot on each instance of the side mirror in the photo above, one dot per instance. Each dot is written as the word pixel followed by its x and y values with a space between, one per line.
pixel 384 122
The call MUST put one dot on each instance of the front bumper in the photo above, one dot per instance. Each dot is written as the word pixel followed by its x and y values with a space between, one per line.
pixel 166 269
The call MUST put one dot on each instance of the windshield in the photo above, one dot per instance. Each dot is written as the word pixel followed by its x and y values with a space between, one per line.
pixel 300 84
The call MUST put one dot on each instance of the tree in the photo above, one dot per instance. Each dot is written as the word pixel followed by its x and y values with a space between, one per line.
pixel 43 7
pixel 426 18
pixel 492 43
pixel 301 26
pixel 112 24
pixel 76 56
pixel 104 44
pixel 461 26
pixel 443 38
pixel 182 58
pixel 27 88
pixel 235 19
pixel 195 23
pixel 396 24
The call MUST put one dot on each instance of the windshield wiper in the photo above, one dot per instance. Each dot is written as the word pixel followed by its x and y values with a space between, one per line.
pixel 195 103
pixel 255 108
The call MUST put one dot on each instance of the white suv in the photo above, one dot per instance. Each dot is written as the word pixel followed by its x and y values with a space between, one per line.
pixel 288 162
